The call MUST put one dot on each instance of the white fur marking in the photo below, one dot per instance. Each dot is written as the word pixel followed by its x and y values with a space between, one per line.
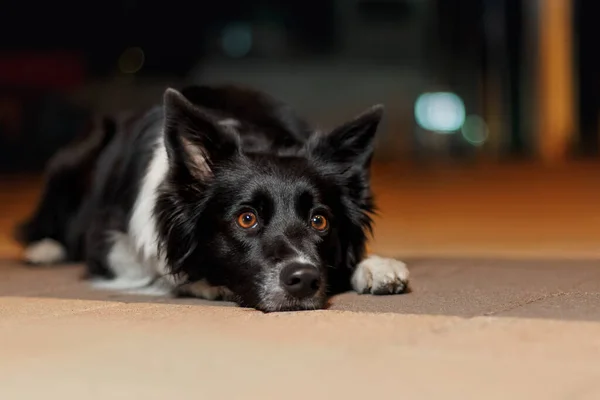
pixel 134 257
pixel 45 251
pixel 142 225
pixel 160 287
pixel 121 285
pixel 379 275
pixel 204 290
pixel 124 262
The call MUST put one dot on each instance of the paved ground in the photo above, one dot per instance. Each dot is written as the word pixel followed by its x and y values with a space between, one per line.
pixel 568 290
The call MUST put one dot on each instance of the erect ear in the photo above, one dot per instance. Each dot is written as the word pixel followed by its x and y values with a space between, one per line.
pixel 194 138
pixel 350 143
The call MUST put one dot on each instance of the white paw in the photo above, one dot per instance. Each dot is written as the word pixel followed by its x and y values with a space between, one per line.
pixel 204 290
pixel 46 251
pixel 379 275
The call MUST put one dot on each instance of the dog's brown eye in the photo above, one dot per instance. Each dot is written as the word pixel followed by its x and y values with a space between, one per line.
pixel 247 220
pixel 319 223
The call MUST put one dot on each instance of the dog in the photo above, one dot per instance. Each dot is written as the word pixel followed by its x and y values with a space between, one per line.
pixel 222 192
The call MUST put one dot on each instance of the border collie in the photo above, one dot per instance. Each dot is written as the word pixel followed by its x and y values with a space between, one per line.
pixel 220 193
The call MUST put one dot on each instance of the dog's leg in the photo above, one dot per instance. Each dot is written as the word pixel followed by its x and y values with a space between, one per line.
pixel 379 275
pixel 204 290
pixel 45 251
pixel 46 233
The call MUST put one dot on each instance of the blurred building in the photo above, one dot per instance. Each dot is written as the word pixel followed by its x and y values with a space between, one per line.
pixel 461 79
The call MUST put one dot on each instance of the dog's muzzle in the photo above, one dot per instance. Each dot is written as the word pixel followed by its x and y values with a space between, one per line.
pixel 300 280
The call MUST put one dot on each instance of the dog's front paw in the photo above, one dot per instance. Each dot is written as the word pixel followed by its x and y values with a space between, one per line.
pixel 45 251
pixel 379 275
pixel 204 290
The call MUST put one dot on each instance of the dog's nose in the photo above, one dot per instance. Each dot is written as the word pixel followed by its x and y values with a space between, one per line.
pixel 300 280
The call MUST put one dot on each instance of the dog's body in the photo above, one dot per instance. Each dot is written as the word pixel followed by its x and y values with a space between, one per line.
pixel 221 193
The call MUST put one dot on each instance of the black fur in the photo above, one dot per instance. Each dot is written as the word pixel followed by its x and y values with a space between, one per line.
pixel 268 161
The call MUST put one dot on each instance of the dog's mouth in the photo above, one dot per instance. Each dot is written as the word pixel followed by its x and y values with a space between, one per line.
pixel 278 301
pixel 290 304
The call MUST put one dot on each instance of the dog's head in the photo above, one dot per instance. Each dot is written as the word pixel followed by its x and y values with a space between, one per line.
pixel 271 223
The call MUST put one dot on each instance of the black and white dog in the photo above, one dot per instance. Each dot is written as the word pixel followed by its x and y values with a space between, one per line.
pixel 221 193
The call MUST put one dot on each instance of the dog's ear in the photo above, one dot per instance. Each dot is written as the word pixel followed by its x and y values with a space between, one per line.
pixel 194 138
pixel 351 143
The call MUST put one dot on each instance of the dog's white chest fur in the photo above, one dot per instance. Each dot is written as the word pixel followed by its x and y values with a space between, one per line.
pixel 142 225
pixel 134 257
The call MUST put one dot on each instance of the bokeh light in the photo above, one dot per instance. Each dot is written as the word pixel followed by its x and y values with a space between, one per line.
pixel 475 130
pixel 237 40
pixel 440 112
pixel 131 60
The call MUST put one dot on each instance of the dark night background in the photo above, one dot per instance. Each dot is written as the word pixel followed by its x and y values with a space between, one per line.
pixel 62 61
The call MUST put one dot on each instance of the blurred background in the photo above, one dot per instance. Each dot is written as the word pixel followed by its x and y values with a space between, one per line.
pixel 491 133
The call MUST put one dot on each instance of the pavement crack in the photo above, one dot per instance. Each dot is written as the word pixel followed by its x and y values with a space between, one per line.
pixel 517 305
